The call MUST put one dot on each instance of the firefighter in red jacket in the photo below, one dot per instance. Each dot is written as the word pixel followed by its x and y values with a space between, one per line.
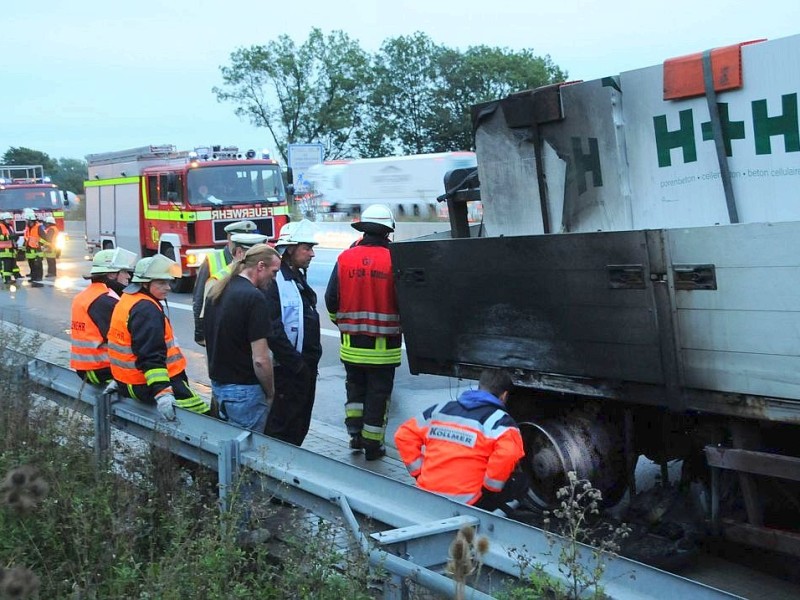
pixel 362 301
pixel 91 314
pixel 145 360
pixel 467 449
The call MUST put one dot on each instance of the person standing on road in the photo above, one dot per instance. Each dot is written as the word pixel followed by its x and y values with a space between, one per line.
pixel 50 250
pixel 362 301
pixel 9 270
pixel 295 341
pixel 237 325
pixel 145 360
pixel 215 262
pixel 467 449
pixel 91 314
pixel 34 234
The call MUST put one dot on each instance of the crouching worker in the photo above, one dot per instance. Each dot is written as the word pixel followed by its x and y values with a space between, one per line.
pixel 467 449
pixel 145 360
pixel 91 314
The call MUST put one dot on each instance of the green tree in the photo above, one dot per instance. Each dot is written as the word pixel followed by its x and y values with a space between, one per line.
pixel 70 174
pixel 26 156
pixel 481 74
pixel 406 87
pixel 314 92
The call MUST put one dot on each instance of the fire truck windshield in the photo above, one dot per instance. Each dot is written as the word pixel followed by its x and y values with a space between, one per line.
pixel 235 184
pixel 17 198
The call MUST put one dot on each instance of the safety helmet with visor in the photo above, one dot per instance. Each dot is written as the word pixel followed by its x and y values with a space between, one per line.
pixel 156 267
pixel 113 261
pixel 6 216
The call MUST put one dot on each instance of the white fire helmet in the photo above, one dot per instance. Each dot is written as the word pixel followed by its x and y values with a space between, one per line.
pixel 28 214
pixel 6 216
pixel 376 218
pixel 156 267
pixel 300 232
pixel 113 261
pixel 50 220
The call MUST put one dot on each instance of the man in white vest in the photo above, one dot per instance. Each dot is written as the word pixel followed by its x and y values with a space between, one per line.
pixel 295 342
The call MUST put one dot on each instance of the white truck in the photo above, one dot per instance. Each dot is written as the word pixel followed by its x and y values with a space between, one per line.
pixel 638 270
pixel 408 184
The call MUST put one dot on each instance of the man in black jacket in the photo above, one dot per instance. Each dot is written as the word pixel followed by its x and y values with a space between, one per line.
pixel 295 340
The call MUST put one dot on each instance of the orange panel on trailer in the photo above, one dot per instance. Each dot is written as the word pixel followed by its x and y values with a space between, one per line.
pixel 683 75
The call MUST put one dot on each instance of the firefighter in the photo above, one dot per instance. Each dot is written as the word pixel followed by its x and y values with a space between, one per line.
pixel 362 301
pixel 467 449
pixel 50 250
pixel 215 262
pixel 34 235
pixel 145 360
pixel 295 340
pixel 91 314
pixel 9 270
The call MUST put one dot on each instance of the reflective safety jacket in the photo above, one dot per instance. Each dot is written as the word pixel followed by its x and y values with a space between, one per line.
pixel 33 240
pixel 469 444
pixel 154 370
pixel 217 262
pixel 7 236
pixel 89 345
pixel 362 300
pixel 50 235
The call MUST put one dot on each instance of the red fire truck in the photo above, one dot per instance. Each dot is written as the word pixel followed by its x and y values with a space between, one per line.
pixel 26 187
pixel 158 199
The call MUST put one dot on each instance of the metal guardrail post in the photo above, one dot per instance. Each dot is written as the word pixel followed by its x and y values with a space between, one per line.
pixel 228 458
pixel 102 429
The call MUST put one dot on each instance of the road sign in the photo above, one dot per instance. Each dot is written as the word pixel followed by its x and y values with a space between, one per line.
pixel 301 158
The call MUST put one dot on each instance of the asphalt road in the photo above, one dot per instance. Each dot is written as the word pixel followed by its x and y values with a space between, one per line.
pixel 47 310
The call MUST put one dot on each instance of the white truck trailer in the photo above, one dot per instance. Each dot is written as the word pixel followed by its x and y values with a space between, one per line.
pixel 638 271
pixel 408 184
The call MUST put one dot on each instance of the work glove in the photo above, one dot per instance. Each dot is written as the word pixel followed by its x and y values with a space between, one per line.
pixel 165 406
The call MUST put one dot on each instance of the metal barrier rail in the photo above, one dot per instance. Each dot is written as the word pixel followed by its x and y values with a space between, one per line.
pixel 424 523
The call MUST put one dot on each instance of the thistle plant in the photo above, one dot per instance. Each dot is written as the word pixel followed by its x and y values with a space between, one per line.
pixel 466 558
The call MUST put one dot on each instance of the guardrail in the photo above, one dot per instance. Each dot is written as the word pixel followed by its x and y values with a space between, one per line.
pixel 420 525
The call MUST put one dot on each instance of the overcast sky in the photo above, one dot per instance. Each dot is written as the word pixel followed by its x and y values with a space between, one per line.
pixel 86 76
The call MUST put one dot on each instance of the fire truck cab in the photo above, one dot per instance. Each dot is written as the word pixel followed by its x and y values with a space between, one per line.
pixel 26 187
pixel 177 203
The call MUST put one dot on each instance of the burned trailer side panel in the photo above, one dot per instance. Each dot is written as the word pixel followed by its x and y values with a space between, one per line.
pixel 579 305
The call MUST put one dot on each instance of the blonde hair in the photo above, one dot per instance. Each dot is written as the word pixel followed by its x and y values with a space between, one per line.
pixel 255 255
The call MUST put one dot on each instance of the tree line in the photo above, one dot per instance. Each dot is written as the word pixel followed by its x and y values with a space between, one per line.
pixel 68 173
pixel 413 96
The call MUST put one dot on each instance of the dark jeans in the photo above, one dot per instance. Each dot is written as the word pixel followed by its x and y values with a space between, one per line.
pixel 369 389
pixel 290 416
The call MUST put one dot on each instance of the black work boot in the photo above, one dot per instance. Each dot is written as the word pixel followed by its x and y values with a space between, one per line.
pixel 374 451
pixel 356 442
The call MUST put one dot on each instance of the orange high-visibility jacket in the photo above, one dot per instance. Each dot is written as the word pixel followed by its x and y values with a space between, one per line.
pixel 470 443
pixel 120 350
pixel 89 347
